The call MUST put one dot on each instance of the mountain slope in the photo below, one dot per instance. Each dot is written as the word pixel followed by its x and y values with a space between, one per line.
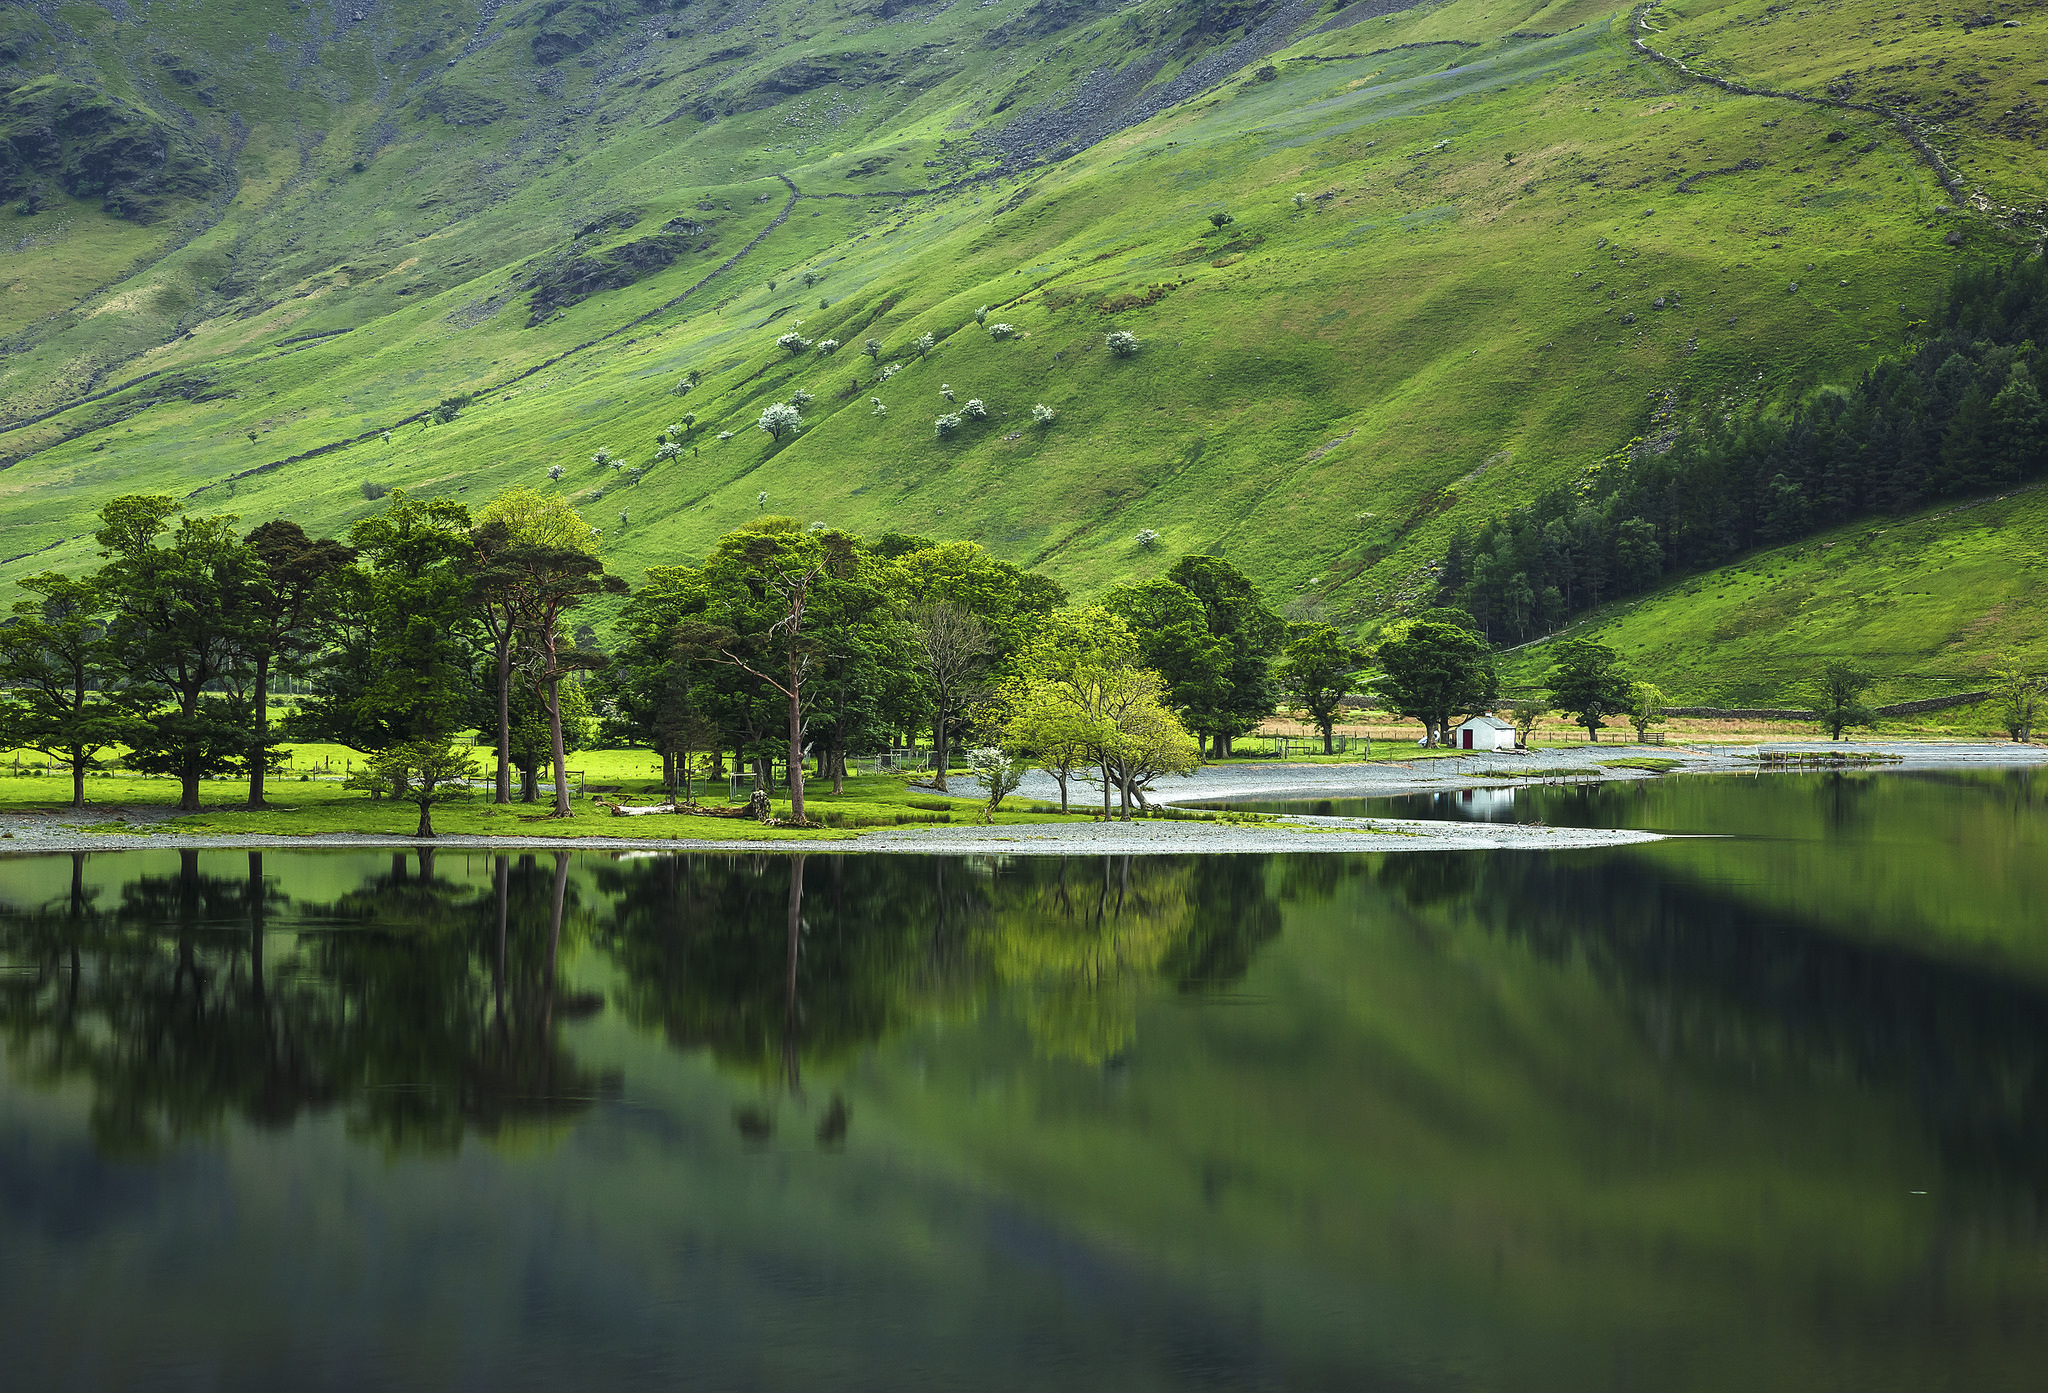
pixel 1474 246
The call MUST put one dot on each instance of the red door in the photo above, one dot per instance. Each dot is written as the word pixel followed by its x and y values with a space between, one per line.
pixel 1468 737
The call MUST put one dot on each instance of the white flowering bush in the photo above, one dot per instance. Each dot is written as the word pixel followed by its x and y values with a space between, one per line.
pixel 946 390
pixel 1043 415
pixel 801 398
pixel 974 410
pixel 890 371
pixel 999 773
pixel 981 315
pixel 602 458
pixel 873 348
pixel 1146 538
pixel 675 431
pixel 555 472
pixel 668 450
pixel 999 332
pixel 923 344
pixel 725 435
pixel 1122 342
pixel 793 341
pixel 946 425
pixel 781 419
pixel 828 347
pixel 880 410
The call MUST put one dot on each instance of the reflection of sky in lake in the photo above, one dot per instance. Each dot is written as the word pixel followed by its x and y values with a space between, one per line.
pixel 1761 1111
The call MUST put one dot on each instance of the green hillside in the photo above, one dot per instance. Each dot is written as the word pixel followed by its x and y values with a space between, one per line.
pixel 1474 246
pixel 1930 602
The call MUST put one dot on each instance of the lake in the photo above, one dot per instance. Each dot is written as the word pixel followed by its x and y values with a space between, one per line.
pixel 1761 1108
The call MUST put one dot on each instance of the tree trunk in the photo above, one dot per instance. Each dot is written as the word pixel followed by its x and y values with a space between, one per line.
pixel 426 827
pixel 555 742
pixel 529 785
pixel 1327 748
pixel 939 752
pixel 668 774
pixel 1105 790
pixel 1061 776
pixel 504 790
pixel 77 776
pixel 796 753
pixel 259 752
pixel 188 793
pixel 838 770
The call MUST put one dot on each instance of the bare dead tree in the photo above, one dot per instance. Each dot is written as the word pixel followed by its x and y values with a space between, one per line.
pixel 952 646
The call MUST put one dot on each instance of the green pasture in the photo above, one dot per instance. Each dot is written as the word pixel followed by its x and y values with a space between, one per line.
pixel 1453 229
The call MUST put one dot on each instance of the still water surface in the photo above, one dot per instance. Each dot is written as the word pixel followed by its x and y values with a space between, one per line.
pixel 1760 1111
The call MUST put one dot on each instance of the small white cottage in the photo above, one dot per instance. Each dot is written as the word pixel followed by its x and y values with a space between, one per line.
pixel 1483 733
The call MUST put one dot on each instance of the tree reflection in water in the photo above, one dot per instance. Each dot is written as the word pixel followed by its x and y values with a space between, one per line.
pixel 420 1008
pixel 427 1009
pixel 776 964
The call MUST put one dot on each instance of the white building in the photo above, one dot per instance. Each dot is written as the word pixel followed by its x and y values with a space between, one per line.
pixel 1483 733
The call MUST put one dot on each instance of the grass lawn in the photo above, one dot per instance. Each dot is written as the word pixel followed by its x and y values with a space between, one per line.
pixel 311 807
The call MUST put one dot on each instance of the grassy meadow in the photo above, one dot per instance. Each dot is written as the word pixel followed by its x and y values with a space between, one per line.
pixel 1475 247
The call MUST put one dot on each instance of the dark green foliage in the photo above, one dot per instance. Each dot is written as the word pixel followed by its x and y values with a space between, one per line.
pixel 175 602
pixel 1250 634
pixel 1589 680
pixel 1317 671
pixel 1435 673
pixel 289 590
pixel 1959 414
pixel 1840 687
pixel 57 677
pixel 1206 631
pixel 395 665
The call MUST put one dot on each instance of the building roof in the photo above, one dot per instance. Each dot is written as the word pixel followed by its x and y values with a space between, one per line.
pixel 1490 722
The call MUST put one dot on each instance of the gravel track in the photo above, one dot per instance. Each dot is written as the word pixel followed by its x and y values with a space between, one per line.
pixel 30 832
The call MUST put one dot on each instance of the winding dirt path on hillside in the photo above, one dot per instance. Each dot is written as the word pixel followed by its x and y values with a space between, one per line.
pixel 1638 23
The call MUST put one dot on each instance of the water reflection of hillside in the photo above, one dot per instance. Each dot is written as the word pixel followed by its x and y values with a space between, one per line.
pixel 1716 981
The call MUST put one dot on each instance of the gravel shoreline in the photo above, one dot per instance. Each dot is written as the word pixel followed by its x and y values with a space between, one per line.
pixel 65 831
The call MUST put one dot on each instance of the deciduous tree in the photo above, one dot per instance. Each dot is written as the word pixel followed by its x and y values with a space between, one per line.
pixel 1588 680
pixel 288 586
pixel 1317 669
pixel 1434 673
pixel 176 598
pixel 431 771
pixel 58 680
pixel 1841 685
